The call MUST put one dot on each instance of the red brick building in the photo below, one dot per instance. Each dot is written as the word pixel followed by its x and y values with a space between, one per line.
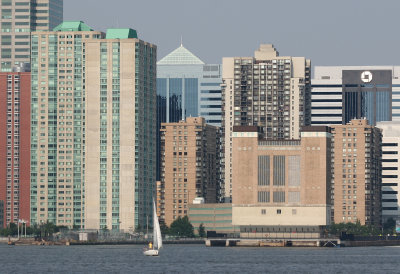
pixel 15 107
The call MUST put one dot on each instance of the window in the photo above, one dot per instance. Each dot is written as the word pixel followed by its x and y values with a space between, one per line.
pixel 263 211
pixel 279 197
pixel 263 197
pixel 278 211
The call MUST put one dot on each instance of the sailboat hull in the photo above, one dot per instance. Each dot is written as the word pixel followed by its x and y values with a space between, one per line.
pixel 151 252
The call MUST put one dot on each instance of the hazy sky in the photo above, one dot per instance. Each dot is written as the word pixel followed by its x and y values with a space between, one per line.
pixel 329 32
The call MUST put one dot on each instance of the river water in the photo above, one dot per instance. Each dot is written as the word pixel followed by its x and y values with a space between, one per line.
pixel 197 259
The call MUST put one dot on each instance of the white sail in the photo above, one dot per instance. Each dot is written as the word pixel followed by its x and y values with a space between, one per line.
pixel 157 238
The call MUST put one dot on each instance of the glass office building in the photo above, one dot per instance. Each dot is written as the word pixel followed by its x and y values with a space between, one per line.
pixel 340 94
pixel 187 87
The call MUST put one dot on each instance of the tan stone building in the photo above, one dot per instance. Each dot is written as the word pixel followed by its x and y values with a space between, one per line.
pixel 120 144
pixel 93 128
pixel 189 165
pixel 281 187
pixel 267 90
pixel 356 166
pixel 159 199
pixel 57 119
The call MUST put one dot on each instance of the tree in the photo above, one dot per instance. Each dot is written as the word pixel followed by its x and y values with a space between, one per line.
pixel 164 229
pixel 182 227
pixel 353 228
pixel 12 229
pixel 49 228
pixel 105 229
pixel 202 231
pixel 389 226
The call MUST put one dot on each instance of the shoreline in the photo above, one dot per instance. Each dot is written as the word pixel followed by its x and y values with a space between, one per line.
pixel 215 242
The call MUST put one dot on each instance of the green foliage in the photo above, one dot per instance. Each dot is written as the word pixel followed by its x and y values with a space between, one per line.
pixel 49 229
pixel 181 227
pixel 202 231
pixel 164 229
pixel 105 229
pixel 389 226
pixel 354 228
pixel 43 230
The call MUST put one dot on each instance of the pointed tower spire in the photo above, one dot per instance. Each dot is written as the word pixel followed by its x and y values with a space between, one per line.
pixel 180 56
pixel 181 42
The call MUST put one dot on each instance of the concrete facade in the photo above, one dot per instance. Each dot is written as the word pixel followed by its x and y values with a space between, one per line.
pixel 57 123
pixel 15 106
pixel 356 166
pixel 267 90
pixel 390 170
pixel 189 166
pixel 18 19
pixel 281 183
pixel 120 132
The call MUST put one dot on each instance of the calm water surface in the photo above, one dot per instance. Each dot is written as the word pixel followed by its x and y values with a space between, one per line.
pixel 197 259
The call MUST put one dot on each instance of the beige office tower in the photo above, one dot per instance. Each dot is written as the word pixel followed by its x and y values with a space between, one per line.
pixel 390 169
pixel 120 128
pixel 356 165
pixel 18 19
pixel 267 90
pixel 57 123
pixel 281 187
pixel 189 166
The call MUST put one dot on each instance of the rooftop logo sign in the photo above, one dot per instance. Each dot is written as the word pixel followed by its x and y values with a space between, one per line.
pixel 366 76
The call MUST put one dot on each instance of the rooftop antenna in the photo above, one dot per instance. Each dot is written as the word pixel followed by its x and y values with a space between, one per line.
pixel 181 42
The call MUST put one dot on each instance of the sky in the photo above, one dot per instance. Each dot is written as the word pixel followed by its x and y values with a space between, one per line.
pixel 329 32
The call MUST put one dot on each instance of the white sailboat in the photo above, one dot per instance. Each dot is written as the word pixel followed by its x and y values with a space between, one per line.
pixel 157 239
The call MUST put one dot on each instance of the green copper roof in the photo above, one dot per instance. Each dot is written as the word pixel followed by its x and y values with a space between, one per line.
pixel 72 26
pixel 121 34
pixel 180 56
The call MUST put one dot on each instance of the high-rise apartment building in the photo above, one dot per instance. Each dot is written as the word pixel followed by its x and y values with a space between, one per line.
pixel 189 166
pixel 57 123
pixel 340 94
pixel 18 19
pixel 281 187
pixel 120 131
pixel 267 90
pixel 390 170
pixel 15 99
pixel 356 166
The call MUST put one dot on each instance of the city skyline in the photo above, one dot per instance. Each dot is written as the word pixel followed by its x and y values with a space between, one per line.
pixel 334 33
pixel 271 91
